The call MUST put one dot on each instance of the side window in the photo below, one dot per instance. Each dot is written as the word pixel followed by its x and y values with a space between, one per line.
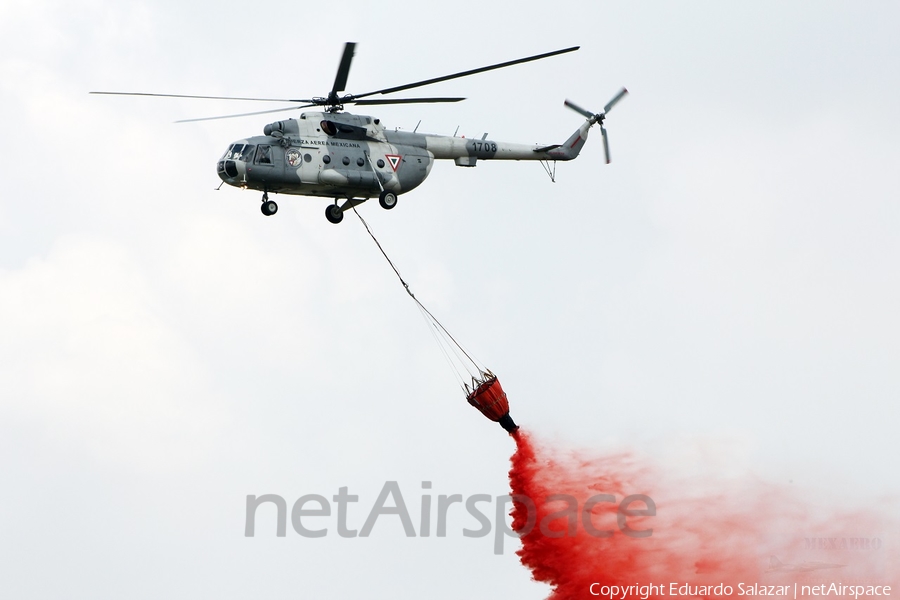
pixel 264 155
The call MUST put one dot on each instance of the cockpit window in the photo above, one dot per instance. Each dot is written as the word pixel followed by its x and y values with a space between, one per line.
pixel 242 152
pixel 246 153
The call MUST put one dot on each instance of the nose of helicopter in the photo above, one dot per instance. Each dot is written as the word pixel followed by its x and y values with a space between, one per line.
pixel 227 170
pixel 233 164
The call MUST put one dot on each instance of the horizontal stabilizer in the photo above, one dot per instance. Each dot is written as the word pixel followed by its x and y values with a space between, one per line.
pixel 547 148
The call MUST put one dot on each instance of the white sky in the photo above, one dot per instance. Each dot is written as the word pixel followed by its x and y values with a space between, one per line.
pixel 727 288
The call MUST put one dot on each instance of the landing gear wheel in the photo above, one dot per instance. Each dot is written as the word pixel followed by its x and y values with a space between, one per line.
pixel 269 208
pixel 334 213
pixel 387 200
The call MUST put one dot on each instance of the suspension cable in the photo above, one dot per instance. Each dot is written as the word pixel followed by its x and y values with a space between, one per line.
pixel 436 325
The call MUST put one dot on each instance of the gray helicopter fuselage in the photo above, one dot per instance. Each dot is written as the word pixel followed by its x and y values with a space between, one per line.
pixel 341 155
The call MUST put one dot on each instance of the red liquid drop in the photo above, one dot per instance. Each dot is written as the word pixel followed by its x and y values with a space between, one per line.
pixel 704 533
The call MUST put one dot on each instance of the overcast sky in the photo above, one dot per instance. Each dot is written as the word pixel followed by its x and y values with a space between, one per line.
pixel 725 291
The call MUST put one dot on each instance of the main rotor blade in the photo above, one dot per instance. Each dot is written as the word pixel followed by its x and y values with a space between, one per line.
pixel 259 112
pixel 340 80
pixel 405 101
pixel 615 100
pixel 605 143
pixel 307 100
pixel 586 114
pixel 408 86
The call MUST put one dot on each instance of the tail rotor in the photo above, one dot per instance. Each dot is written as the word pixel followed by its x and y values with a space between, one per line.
pixel 599 117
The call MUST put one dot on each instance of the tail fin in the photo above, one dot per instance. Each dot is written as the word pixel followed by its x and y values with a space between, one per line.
pixel 571 148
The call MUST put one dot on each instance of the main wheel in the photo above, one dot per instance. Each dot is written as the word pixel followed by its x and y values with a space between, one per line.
pixel 269 208
pixel 334 213
pixel 387 200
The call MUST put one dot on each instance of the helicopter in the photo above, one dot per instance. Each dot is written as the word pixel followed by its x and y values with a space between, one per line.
pixel 351 158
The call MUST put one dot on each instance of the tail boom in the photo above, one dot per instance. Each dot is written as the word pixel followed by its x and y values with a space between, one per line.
pixel 465 150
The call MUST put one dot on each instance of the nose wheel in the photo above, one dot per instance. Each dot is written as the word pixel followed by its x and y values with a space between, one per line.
pixel 334 214
pixel 269 207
